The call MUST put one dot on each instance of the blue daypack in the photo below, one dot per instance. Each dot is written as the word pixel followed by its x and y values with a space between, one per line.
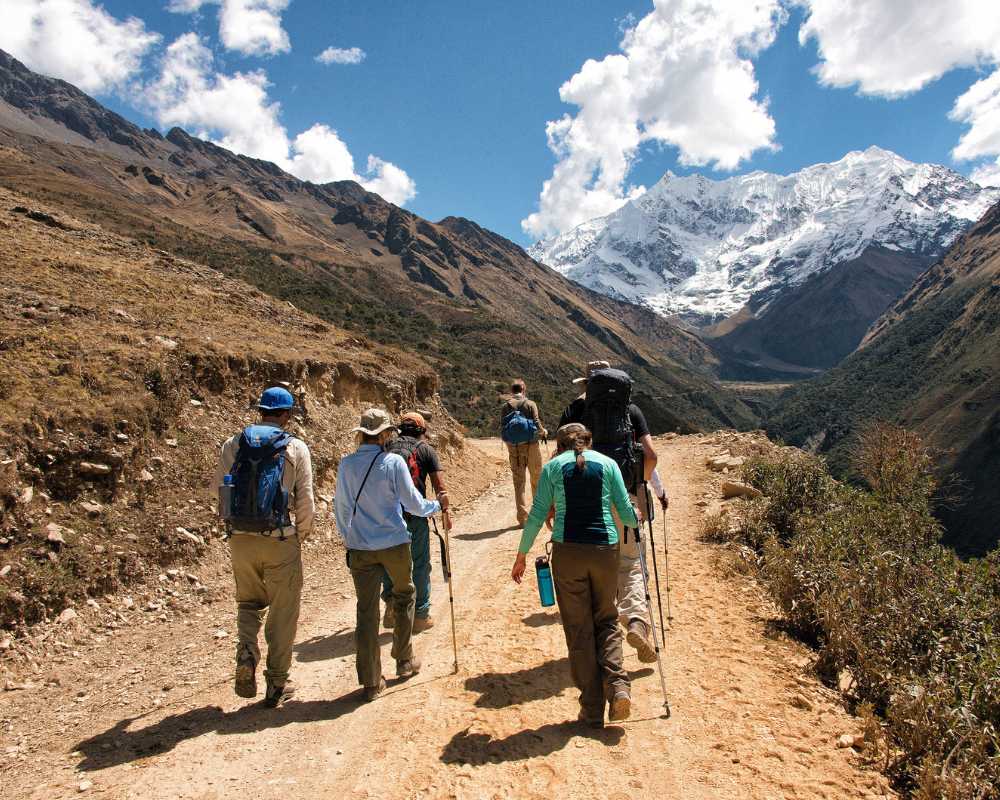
pixel 517 428
pixel 260 504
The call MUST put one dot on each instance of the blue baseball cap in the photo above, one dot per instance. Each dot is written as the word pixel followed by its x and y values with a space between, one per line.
pixel 276 399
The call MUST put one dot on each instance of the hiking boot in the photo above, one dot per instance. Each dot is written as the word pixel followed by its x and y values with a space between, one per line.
pixel 389 617
pixel 276 695
pixel 245 683
pixel 591 719
pixel 408 668
pixel 373 692
pixel 621 706
pixel 638 637
pixel 422 623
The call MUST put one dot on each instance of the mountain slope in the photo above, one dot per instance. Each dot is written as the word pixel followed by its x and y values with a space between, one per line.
pixel 470 302
pixel 705 250
pixel 931 363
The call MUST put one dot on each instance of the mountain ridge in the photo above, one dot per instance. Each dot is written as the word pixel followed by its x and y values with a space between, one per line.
pixel 473 303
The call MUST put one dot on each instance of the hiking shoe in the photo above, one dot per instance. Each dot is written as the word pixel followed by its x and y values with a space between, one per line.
pixel 421 624
pixel 245 683
pixel 408 668
pixel 373 692
pixel 276 695
pixel 389 617
pixel 638 637
pixel 621 707
pixel 591 720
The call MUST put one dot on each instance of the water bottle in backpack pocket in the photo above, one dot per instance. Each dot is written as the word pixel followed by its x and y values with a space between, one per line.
pixel 226 498
pixel 259 501
pixel 546 588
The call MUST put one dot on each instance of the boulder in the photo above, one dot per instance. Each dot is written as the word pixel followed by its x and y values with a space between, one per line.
pixel 91 468
pixel 93 509
pixel 5 570
pixel 736 489
pixel 67 615
pixel 145 476
pixel 54 534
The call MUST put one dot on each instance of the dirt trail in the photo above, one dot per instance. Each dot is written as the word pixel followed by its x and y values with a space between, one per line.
pixel 503 726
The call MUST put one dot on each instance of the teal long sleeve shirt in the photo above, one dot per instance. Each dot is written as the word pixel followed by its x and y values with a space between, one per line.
pixel 583 500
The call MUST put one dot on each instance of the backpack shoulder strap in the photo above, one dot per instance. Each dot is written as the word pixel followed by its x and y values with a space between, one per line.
pixel 361 488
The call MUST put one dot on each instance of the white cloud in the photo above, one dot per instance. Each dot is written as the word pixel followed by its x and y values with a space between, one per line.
pixel 252 27
pixel 891 48
pixel 683 79
pixel 987 174
pixel 339 55
pixel 76 41
pixel 236 112
pixel 894 47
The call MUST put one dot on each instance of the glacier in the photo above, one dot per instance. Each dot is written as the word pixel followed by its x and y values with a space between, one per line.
pixel 700 249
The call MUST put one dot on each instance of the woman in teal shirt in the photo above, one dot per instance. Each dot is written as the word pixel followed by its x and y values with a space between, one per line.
pixel 584 486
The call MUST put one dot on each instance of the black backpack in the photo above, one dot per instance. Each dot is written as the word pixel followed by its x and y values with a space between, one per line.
pixel 605 413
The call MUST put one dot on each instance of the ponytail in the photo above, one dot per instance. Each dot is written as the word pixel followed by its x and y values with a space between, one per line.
pixel 575 437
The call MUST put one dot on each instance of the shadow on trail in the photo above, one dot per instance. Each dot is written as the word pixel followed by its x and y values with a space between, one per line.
pixel 336 645
pixel 119 745
pixel 540 619
pixel 478 749
pixel 502 689
pixel 475 537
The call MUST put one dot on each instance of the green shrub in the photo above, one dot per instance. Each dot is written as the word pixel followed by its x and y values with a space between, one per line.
pixel 860 574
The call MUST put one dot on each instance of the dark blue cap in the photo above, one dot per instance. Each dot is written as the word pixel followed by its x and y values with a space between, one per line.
pixel 276 399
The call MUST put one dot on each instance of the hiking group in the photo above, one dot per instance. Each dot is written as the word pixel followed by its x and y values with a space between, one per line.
pixel 592 495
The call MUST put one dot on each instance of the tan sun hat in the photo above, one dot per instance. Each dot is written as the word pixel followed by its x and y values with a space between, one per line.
pixel 592 367
pixel 373 422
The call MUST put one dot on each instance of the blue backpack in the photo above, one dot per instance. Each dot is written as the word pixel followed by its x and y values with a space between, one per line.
pixel 260 504
pixel 517 428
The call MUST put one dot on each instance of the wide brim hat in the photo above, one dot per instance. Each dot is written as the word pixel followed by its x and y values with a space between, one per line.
pixel 592 367
pixel 374 421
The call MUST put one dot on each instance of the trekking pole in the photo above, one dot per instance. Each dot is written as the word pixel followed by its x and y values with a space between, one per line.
pixel 446 568
pixel 641 546
pixel 656 571
pixel 666 564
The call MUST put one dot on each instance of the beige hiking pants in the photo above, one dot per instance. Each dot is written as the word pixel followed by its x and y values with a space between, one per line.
pixel 268 573
pixel 524 457
pixel 631 591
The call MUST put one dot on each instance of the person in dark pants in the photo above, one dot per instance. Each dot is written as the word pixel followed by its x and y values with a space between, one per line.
pixel 373 490
pixel 584 486
pixel 422 459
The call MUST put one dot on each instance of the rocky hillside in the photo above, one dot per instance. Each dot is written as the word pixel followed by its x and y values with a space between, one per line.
pixel 470 302
pixel 122 369
pixel 773 254
pixel 931 363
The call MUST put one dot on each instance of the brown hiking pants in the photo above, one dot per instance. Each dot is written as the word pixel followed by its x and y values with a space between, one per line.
pixel 268 573
pixel 524 457
pixel 367 568
pixel 586 580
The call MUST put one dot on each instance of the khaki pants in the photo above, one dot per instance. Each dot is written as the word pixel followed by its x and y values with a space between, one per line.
pixel 367 569
pixel 586 580
pixel 268 573
pixel 631 588
pixel 524 457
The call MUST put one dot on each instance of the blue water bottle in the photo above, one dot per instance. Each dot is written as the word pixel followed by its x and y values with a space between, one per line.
pixel 546 591
pixel 226 497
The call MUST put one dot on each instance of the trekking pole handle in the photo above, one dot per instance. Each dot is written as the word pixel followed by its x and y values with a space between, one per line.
pixel 445 566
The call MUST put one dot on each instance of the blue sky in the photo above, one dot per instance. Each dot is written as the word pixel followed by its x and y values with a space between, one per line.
pixel 457 95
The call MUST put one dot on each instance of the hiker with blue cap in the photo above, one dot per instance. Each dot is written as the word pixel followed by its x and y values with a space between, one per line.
pixel 266 499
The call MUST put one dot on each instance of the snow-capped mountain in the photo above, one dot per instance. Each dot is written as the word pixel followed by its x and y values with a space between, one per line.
pixel 703 248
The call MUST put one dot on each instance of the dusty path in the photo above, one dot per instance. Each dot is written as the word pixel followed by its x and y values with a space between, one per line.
pixel 503 726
